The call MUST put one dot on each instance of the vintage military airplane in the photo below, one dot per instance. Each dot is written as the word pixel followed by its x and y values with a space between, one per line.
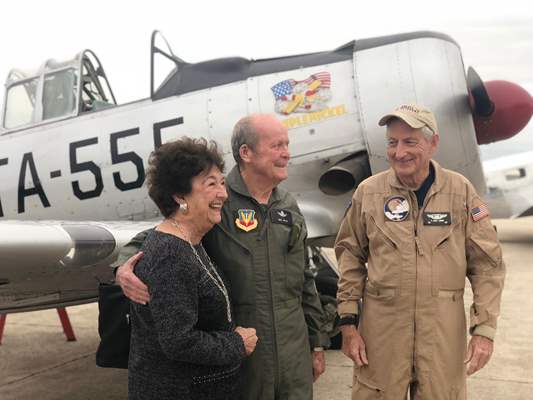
pixel 72 161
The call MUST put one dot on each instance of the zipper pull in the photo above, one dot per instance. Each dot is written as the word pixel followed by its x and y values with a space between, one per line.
pixel 418 247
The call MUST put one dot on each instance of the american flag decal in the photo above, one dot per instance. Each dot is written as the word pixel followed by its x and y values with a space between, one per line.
pixel 307 96
pixel 283 88
pixel 479 212
pixel 323 77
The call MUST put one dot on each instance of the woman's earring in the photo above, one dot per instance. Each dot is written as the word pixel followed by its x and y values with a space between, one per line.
pixel 184 208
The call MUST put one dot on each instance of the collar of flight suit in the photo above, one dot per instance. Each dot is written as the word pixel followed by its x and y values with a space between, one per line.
pixel 235 182
pixel 439 182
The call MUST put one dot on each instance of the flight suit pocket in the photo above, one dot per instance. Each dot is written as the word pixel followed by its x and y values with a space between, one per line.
pixel 377 324
pixel 381 293
pixel 295 259
pixel 365 389
pixel 489 250
pixel 448 260
pixel 384 255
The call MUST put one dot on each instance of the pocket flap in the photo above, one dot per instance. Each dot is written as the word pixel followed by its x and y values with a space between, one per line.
pixel 368 383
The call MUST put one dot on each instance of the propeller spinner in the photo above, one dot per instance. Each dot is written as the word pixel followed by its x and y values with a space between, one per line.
pixel 501 109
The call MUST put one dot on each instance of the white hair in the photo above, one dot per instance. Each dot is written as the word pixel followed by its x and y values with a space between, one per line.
pixel 426 131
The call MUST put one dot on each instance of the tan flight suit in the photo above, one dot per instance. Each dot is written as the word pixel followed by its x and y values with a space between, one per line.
pixel 413 320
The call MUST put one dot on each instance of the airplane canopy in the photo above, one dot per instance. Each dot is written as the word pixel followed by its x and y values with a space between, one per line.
pixel 188 77
pixel 54 92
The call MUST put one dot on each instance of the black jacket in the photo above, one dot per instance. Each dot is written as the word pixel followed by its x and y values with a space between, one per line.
pixel 182 344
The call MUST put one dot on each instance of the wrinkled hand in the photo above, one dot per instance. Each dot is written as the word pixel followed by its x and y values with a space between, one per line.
pixel 353 345
pixel 249 337
pixel 319 364
pixel 478 354
pixel 133 287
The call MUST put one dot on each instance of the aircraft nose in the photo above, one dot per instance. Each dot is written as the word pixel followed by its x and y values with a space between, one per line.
pixel 501 109
pixel 513 108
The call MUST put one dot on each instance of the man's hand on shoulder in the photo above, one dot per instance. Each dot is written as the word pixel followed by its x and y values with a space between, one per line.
pixel 133 288
pixel 478 354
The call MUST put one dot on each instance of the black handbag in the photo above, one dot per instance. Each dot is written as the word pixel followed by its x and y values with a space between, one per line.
pixel 113 326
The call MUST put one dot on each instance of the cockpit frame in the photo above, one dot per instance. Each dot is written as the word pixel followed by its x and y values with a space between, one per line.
pixel 53 92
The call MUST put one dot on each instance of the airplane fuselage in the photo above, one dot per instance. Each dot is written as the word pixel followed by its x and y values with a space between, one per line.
pixel 90 167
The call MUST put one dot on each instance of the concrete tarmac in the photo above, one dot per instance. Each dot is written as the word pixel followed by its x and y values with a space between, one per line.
pixel 36 361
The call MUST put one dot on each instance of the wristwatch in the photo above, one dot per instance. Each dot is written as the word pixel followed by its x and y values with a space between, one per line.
pixel 349 319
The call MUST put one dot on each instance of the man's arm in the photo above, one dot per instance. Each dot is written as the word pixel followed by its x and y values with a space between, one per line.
pixel 351 250
pixel 486 273
pixel 131 248
pixel 313 311
pixel 314 317
pixel 128 257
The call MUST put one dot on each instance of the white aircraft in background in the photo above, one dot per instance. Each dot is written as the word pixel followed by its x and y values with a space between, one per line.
pixel 72 161
pixel 510 185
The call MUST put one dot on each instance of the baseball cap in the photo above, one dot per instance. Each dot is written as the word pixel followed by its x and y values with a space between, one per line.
pixel 414 115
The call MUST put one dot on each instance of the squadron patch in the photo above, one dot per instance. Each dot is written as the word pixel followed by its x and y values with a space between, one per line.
pixel 246 220
pixel 396 208
pixel 438 218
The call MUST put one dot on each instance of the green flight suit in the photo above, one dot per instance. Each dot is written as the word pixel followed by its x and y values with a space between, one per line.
pixel 271 289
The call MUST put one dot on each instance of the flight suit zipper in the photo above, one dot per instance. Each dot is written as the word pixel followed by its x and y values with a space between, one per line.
pixel 419 252
pixel 416 213
pixel 263 235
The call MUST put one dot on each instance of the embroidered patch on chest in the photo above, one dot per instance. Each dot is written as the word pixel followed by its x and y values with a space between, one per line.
pixel 396 208
pixel 283 217
pixel 438 218
pixel 246 220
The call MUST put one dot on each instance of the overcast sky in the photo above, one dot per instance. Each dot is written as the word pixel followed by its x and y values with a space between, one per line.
pixel 496 37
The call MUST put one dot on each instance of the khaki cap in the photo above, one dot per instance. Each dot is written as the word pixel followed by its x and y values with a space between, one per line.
pixel 414 115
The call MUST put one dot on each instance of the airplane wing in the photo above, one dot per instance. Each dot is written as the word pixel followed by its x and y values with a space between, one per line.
pixel 54 263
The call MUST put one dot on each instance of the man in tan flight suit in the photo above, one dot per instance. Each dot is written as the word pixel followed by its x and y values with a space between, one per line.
pixel 411 236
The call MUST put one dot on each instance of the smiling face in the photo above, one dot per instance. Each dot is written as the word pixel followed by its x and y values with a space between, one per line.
pixel 270 157
pixel 206 199
pixel 409 152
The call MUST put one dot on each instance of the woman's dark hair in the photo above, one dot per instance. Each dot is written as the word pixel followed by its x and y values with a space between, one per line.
pixel 172 167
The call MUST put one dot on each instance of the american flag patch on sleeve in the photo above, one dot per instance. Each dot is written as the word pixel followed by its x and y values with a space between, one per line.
pixel 479 212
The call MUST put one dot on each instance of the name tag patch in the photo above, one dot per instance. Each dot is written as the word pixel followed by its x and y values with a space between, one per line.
pixel 437 218
pixel 283 217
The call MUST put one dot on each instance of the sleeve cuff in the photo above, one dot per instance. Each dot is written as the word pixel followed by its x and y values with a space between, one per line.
pixel 320 339
pixel 349 307
pixel 483 330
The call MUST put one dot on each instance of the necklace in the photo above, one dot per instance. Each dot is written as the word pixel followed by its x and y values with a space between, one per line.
pixel 211 271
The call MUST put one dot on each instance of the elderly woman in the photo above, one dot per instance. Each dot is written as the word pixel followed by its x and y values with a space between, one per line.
pixel 184 344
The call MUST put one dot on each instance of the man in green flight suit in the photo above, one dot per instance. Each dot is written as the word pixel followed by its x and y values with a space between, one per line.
pixel 260 247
